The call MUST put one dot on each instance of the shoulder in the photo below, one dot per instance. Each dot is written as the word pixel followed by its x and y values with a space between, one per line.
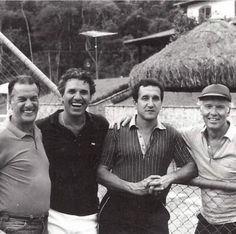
pixel 47 121
pixel 191 132
pixel 170 129
pixel 7 138
pixel 98 120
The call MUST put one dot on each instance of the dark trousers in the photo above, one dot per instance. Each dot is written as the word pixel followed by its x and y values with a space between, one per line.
pixel 203 227
pixel 11 224
pixel 135 215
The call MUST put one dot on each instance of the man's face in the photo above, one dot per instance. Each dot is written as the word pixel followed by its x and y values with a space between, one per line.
pixel 24 102
pixel 149 102
pixel 76 97
pixel 215 112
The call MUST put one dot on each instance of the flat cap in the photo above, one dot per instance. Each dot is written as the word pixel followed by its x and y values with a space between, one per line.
pixel 216 90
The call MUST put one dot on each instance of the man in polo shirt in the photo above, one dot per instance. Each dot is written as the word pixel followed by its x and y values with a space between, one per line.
pixel 24 178
pixel 214 151
pixel 73 140
pixel 134 165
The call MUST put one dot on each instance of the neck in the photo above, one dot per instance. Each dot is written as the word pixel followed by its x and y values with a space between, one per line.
pixel 146 124
pixel 218 133
pixel 77 121
pixel 28 128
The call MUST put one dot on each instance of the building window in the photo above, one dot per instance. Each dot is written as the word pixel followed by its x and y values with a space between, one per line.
pixel 204 13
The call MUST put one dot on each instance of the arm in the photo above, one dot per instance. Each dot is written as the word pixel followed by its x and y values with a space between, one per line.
pixel 181 175
pixel 113 182
pixel 122 122
pixel 212 184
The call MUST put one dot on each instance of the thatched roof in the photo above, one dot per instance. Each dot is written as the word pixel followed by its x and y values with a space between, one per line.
pixel 205 55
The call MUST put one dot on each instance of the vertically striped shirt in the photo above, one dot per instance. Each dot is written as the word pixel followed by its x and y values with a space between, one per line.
pixel 122 152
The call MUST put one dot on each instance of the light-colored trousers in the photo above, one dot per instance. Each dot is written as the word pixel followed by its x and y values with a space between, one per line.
pixel 60 223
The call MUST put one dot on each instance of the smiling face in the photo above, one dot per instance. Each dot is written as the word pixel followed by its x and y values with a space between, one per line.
pixel 215 112
pixel 76 97
pixel 148 103
pixel 24 102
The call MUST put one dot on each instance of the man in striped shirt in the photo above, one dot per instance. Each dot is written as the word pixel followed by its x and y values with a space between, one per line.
pixel 134 165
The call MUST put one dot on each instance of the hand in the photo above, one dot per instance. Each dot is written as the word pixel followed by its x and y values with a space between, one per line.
pixel 122 122
pixel 142 187
pixel 158 185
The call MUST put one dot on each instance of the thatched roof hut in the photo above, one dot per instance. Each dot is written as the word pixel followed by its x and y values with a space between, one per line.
pixel 205 55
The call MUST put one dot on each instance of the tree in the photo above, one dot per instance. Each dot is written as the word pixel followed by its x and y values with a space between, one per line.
pixel 182 24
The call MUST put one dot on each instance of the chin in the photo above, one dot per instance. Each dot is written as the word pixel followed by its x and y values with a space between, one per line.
pixel 211 126
pixel 77 113
pixel 150 118
pixel 29 118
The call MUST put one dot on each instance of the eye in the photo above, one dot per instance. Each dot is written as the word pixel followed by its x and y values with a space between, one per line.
pixel 34 99
pixel 145 98
pixel 220 107
pixel 156 98
pixel 207 106
pixel 22 99
pixel 84 92
pixel 71 91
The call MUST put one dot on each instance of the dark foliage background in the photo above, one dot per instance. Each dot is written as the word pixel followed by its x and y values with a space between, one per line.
pixel 48 32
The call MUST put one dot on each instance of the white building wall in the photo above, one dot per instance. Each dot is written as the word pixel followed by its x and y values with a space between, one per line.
pixel 220 9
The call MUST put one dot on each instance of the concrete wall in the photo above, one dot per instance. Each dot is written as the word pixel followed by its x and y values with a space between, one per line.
pixel 179 117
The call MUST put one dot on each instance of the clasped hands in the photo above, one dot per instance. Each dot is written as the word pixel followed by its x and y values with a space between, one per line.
pixel 153 184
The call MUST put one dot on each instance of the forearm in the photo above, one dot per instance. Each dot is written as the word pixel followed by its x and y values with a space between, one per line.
pixel 184 173
pixel 111 181
pixel 213 184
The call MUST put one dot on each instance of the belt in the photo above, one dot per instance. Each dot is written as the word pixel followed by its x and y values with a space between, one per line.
pixel 5 216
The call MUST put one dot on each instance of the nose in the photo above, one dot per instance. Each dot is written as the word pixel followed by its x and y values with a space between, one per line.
pixel 213 110
pixel 150 102
pixel 77 95
pixel 28 102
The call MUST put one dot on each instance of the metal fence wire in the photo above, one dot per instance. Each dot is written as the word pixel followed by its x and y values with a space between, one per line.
pixel 184 205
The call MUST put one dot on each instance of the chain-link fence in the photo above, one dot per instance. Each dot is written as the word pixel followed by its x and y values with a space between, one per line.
pixel 183 201
pixel 184 205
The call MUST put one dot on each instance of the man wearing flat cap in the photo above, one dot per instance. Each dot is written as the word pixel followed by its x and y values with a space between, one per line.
pixel 214 151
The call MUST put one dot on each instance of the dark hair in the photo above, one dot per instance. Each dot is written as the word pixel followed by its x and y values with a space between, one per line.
pixel 145 83
pixel 79 74
pixel 22 79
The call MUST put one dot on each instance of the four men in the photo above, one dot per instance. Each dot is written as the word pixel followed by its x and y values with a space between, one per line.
pixel 73 141
pixel 134 164
pixel 24 178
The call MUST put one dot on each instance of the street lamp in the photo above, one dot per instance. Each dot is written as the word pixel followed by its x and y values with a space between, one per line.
pixel 95 35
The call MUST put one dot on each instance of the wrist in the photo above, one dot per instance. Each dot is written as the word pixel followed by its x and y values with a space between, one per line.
pixel 130 187
pixel 171 178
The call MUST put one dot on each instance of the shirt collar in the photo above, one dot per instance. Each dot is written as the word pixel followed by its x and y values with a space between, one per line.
pixel 132 123
pixel 89 122
pixel 229 134
pixel 18 132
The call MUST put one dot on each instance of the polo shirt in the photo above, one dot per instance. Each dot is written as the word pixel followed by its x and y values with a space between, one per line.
pixel 24 178
pixel 218 206
pixel 123 152
pixel 73 163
